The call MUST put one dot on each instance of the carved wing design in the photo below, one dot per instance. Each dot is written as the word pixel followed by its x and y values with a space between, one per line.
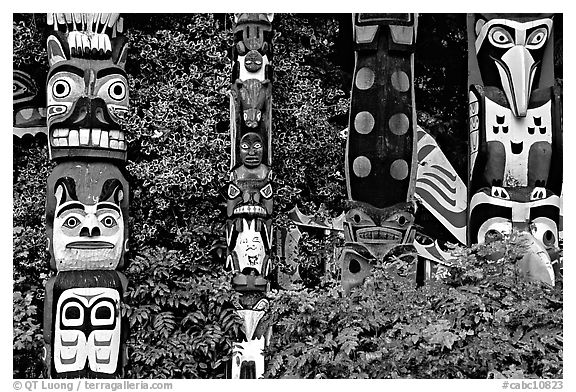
pixel 439 188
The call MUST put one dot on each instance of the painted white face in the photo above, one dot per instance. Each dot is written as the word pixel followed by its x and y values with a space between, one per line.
pixel 87 236
pixel 87 328
pixel 250 249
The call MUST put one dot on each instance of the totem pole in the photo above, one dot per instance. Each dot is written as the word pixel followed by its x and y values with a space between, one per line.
pixel 249 190
pixel 29 108
pixel 380 160
pixel 87 196
pixel 515 145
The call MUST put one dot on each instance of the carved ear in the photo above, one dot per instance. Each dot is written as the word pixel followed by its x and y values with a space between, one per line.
pixel 64 190
pixel 120 51
pixel 478 27
pixel 265 82
pixel 112 191
pixel 57 50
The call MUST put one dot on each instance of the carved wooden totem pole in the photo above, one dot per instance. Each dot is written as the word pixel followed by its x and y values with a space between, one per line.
pixel 249 190
pixel 87 196
pixel 380 160
pixel 515 146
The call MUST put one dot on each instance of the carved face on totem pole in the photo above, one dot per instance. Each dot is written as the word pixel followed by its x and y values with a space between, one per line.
pixel 252 52
pixel 247 356
pixel 87 335
pixel 250 242
pixel 370 233
pixel 515 128
pixel 510 53
pixel 29 107
pixel 86 211
pixel 535 219
pixel 249 191
pixel 87 93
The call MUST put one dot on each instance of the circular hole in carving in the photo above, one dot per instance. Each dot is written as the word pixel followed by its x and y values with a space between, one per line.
pixel 354 266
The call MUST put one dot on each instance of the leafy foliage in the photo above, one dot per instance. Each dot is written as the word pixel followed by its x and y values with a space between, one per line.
pixel 177 303
pixel 483 318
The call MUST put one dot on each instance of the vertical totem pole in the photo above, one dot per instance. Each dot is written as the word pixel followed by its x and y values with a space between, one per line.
pixel 87 196
pixel 249 190
pixel 380 160
pixel 515 146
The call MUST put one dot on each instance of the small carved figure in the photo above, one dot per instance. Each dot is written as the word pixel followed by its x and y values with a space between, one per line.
pixel 254 96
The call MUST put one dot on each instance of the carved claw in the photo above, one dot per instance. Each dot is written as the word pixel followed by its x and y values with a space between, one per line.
pixel 500 193
pixel 538 193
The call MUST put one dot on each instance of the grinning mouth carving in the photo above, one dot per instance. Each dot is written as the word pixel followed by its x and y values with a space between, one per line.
pixel 89 137
pixel 250 210
pixel 90 245
pixel 253 260
pixel 378 235
pixel 516 147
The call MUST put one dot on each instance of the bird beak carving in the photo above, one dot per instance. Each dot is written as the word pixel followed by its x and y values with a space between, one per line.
pixel 517 69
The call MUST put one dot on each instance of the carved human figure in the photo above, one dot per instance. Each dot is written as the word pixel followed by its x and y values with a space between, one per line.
pixel 249 190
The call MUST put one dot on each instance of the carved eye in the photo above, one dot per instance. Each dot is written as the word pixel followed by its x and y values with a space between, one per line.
pixel 245 117
pixel 548 238
pixel 537 38
pixel 493 229
pixel 402 220
pixel 258 116
pixel 233 191
pixel 357 218
pixel 72 315
pixel 500 38
pixel 261 305
pixel 61 89
pixel 102 314
pixel 244 146
pixel 71 222
pixel 109 222
pixel 257 145
pixel 117 90
pixel 544 229
pixel 266 191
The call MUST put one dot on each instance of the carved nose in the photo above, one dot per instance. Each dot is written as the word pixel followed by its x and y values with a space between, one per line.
pixel 89 232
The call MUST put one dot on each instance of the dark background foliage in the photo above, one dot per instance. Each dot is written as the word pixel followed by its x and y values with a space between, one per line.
pixel 178 157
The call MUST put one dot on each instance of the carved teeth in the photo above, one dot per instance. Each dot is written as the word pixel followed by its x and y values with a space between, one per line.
pixel 113 139
pixel 73 138
pixel 84 136
pixel 96 136
pixel 104 139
